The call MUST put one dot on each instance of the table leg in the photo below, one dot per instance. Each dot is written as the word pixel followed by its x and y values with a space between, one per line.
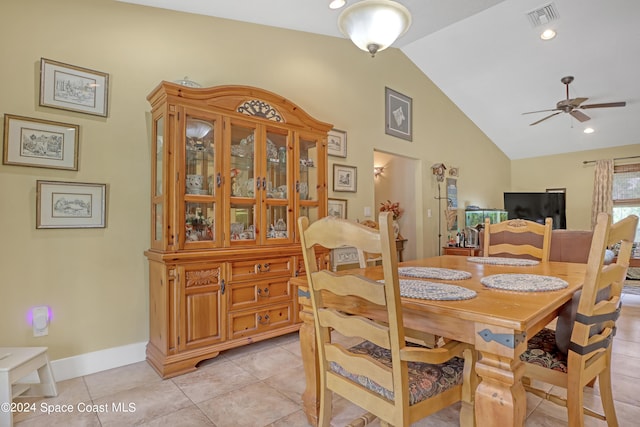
pixel 6 416
pixel 311 395
pixel 500 398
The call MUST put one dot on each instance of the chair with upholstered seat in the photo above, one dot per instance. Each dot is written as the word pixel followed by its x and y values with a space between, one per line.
pixel 397 382
pixel 591 330
pixel 508 238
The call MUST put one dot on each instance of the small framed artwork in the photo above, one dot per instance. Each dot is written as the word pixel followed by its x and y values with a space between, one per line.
pixel 398 114
pixel 337 143
pixel 40 143
pixel 345 178
pixel 70 205
pixel 72 88
pixel 337 208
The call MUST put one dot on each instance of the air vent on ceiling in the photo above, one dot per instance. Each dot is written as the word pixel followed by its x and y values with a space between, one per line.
pixel 543 15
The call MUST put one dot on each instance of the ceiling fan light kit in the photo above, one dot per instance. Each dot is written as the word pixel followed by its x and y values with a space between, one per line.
pixel 573 105
pixel 373 25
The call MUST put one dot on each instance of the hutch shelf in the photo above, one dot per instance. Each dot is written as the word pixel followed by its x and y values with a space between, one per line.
pixel 232 168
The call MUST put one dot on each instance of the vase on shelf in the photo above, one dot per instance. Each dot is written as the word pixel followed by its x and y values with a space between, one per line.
pixel 396 229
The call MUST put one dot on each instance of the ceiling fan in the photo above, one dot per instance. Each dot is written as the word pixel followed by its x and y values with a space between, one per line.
pixel 573 105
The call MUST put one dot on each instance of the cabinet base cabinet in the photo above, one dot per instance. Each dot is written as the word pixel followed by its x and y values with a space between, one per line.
pixel 205 302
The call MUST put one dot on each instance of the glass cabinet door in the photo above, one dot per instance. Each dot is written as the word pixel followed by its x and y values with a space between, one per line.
pixel 158 191
pixel 202 182
pixel 278 194
pixel 244 184
pixel 307 185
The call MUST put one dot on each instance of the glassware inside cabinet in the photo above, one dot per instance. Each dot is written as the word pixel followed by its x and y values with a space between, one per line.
pixel 199 156
pixel 308 172
pixel 242 220
pixel 278 227
pixel 243 180
pixel 199 222
pixel 276 185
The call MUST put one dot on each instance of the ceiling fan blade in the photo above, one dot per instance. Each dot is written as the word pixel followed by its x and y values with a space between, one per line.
pixel 577 101
pixel 605 105
pixel 542 120
pixel 580 116
pixel 541 111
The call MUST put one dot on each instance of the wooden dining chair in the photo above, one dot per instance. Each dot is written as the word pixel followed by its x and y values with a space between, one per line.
pixel 594 326
pixel 397 382
pixel 508 238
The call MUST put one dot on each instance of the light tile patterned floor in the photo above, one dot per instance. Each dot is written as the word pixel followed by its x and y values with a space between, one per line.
pixel 261 384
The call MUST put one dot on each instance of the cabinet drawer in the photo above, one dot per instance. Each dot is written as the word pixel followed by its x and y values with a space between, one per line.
pixel 250 294
pixel 260 268
pixel 252 322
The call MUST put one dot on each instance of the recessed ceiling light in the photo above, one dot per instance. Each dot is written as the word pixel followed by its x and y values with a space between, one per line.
pixel 548 34
pixel 337 4
pixel 588 130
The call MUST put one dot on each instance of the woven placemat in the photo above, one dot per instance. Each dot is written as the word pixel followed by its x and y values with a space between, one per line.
pixel 524 282
pixel 502 261
pixel 422 289
pixel 434 273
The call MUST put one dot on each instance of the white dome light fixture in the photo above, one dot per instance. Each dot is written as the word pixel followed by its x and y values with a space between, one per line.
pixel 373 25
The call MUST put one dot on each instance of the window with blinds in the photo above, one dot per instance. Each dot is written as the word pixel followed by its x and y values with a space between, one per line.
pixel 626 193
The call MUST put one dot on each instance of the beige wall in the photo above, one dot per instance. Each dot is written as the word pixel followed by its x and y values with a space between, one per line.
pixel 567 171
pixel 95 279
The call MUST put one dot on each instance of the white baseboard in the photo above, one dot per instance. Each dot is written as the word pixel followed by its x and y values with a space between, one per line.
pixel 96 361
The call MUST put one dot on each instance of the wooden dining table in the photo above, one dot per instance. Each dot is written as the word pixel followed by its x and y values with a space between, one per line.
pixel 497 322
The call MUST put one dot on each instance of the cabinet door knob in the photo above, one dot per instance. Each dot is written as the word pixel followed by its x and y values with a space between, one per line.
pixel 264 183
pixel 297 186
pixel 267 266
pixel 222 286
pixel 218 180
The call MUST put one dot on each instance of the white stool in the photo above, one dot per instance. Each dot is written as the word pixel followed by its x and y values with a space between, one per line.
pixel 15 364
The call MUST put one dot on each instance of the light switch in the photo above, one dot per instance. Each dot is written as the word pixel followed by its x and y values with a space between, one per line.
pixel 367 211
pixel 428 213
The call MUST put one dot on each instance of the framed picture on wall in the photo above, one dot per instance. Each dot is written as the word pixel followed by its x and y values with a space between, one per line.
pixel 345 178
pixel 398 114
pixel 40 143
pixel 337 143
pixel 337 208
pixel 73 88
pixel 70 205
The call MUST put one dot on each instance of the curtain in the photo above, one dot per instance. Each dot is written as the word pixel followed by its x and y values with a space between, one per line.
pixel 602 189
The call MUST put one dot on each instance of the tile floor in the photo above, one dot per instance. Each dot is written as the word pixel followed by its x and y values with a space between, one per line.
pixel 261 384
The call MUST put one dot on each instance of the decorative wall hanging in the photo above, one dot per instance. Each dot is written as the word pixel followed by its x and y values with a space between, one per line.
pixel 337 143
pixel 345 178
pixel 337 208
pixel 70 205
pixel 398 114
pixel 40 143
pixel 72 88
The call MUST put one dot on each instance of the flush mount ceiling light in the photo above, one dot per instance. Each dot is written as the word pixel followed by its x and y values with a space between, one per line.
pixel 588 130
pixel 548 34
pixel 337 4
pixel 373 25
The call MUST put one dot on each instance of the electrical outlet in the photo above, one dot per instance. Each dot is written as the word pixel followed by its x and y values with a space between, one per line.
pixel 40 316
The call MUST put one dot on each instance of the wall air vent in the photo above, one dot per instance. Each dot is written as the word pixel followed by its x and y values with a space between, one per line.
pixel 543 15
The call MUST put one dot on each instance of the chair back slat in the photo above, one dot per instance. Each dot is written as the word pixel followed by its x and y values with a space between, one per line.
pixel 517 247
pixel 355 326
pixel 350 285
pixel 358 364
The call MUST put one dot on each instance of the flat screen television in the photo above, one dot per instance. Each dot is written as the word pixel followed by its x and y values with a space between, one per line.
pixel 536 207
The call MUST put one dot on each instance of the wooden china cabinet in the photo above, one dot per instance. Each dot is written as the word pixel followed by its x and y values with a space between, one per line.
pixel 233 167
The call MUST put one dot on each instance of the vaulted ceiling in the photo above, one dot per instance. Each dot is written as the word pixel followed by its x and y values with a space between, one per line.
pixel 488 58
